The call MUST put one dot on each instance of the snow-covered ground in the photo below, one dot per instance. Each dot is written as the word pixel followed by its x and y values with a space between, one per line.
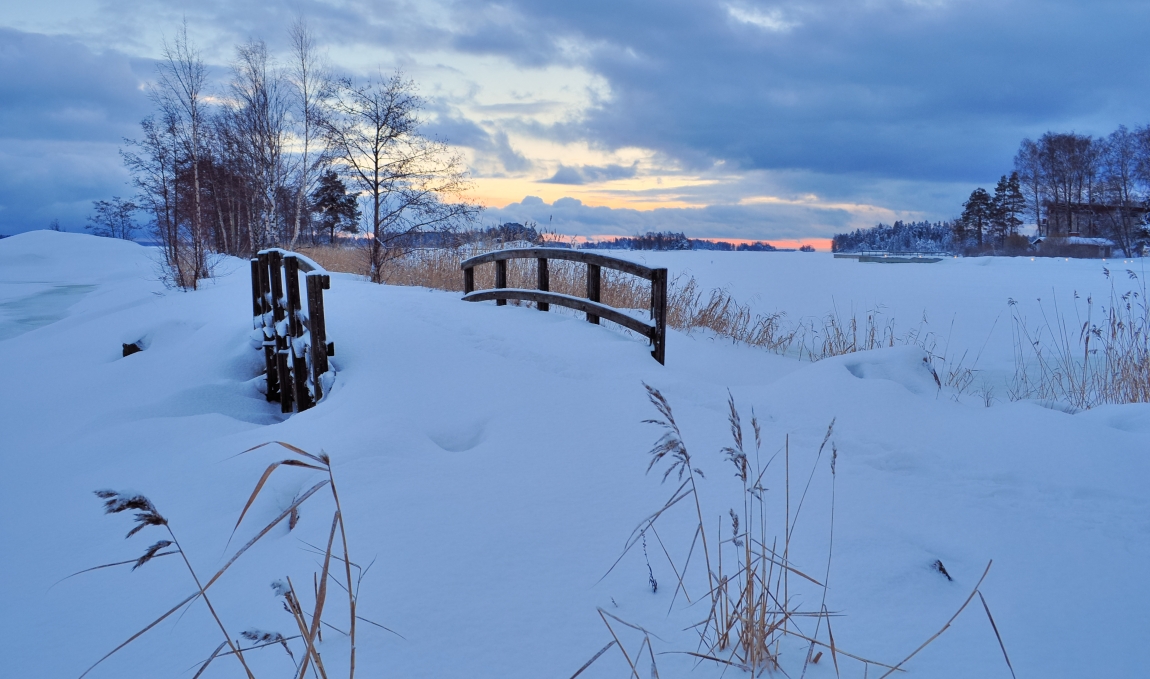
pixel 492 463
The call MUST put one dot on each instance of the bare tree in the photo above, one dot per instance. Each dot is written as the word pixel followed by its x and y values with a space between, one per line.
pixel 179 94
pixel 311 84
pixel 228 188
pixel 1119 179
pixel 154 173
pixel 1028 165
pixel 258 115
pixel 1069 164
pixel 412 184
pixel 113 218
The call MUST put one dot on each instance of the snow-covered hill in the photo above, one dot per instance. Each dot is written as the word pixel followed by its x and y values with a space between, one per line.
pixel 492 463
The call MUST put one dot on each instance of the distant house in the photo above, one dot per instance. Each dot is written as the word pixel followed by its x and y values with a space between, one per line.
pixel 1074 245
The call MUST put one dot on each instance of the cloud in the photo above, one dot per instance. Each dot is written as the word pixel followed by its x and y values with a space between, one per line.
pixel 590 173
pixel 766 220
pixel 770 19
pixel 565 175
pixel 455 129
pixel 902 104
pixel 55 88
pixel 924 90
pixel 512 160
pixel 64 111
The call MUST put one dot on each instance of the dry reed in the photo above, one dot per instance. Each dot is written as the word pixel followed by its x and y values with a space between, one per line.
pixel 753 584
pixel 1098 361
pixel 307 622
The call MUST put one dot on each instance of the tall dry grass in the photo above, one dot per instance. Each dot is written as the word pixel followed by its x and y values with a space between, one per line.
pixel 337 567
pixel 1102 358
pixel 751 589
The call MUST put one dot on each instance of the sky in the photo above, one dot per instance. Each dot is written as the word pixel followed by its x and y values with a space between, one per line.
pixel 785 121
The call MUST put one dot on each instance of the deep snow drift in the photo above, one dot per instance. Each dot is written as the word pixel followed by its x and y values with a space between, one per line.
pixel 492 463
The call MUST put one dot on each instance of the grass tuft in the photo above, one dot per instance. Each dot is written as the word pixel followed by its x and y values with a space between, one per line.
pixel 308 622
pixel 753 602
pixel 1104 357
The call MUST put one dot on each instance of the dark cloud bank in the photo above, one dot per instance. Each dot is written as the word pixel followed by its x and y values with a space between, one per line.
pixel 64 111
pixel 900 104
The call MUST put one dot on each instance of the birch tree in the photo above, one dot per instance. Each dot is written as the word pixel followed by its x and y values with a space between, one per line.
pixel 411 184
pixel 311 84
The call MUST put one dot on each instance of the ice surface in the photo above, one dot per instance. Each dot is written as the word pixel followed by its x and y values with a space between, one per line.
pixel 491 462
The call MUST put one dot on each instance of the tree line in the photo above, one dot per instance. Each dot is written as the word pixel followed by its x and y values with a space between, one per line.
pixel 669 240
pixel 898 237
pixel 1068 184
pixel 284 153
pixel 1064 183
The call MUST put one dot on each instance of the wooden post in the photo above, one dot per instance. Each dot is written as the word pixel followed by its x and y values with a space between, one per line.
pixel 282 361
pixel 291 278
pixel 295 334
pixel 593 279
pixel 316 283
pixel 468 280
pixel 283 370
pixel 257 303
pixel 273 388
pixel 544 282
pixel 500 278
pixel 659 315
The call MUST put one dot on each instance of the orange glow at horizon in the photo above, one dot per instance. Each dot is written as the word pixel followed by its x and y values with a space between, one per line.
pixel 501 192
pixel 819 244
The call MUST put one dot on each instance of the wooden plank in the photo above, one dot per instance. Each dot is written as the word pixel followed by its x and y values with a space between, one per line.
pixel 659 315
pixel 578 303
pixel 500 278
pixel 279 313
pixel 291 277
pixel 314 349
pixel 316 284
pixel 270 363
pixel 468 280
pixel 285 381
pixel 299 381
pixel 297 361
pixel 561 253
pixel 594 282
pixel 543 282
pixel 257 303
pixel 275 271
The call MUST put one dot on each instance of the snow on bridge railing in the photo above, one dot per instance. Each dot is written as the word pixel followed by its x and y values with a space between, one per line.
pixel 294 342
pixel 656 331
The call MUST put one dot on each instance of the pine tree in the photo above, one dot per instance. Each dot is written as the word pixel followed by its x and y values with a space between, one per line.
pixel 976 213
pixel 1014 204
pixel 336 209
pixel 998 216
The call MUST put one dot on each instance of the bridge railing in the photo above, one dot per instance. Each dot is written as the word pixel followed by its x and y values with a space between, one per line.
pixel 295 342
pixel 655 331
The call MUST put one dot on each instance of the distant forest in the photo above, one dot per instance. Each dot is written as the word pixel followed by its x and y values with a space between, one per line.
pixel 898 237
pixel 668 240
pixel 1065 184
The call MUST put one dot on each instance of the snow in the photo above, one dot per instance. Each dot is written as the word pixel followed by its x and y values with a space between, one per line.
pixel 491 460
